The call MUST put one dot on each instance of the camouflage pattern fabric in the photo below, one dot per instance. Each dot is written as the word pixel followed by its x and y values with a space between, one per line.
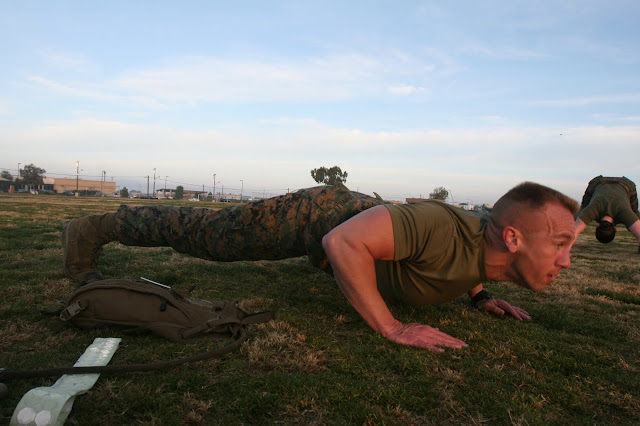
pixel 287 226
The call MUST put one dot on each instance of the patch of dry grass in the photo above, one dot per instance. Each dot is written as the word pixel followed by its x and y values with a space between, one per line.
pixel 278 346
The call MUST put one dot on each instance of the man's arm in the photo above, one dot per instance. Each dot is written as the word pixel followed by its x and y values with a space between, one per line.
pixel 498 306
pixel 635 229
pixel 352 249
pixel 578 227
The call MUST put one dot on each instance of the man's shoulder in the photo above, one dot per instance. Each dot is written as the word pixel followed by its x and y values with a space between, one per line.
pixel 436 209
pixel 426 206
pixel 611 181
pixel 599 180
pixel 606 181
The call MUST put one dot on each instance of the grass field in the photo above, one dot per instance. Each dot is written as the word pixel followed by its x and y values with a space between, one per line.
pixel 576 362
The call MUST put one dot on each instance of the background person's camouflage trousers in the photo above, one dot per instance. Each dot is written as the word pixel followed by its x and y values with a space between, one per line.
pixel 287 226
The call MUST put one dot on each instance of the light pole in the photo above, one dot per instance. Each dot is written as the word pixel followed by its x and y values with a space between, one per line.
pixel 101 182
pixel 19 170
pixel 165 186
pixel 241 189
pixel 214 188
pixel 77 175
pixel 154 182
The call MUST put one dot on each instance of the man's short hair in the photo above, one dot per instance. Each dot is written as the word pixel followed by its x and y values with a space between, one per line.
pixel 605 231
pixel 512 207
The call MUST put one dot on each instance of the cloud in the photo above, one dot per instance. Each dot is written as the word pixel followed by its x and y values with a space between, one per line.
pixel 82 90
pixel 595 47
pixel 189 80
pixel 502 52
pixel 405 90
pixel 207 79
pixel 590 100
pixel 67 61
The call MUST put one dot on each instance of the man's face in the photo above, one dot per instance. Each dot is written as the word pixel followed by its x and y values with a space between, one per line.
pixel 545 246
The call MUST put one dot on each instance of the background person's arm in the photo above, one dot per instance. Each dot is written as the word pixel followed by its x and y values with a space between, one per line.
pixel 635 229
pixel 352 249
pixel 578 227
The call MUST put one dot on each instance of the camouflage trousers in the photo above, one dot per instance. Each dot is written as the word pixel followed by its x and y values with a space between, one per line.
pixel 287 226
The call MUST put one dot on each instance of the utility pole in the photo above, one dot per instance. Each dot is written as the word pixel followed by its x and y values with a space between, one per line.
pixel 154 182
pixel 77 176
pixel 241 189
pixel 101 181
pixel 18 170
pixel 147 186
pixel 165 186
pixel 214 188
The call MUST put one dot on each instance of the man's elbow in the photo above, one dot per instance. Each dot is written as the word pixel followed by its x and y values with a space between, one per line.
pixel 330 241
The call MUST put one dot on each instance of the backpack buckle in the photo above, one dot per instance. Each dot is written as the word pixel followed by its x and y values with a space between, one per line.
pixel 71 311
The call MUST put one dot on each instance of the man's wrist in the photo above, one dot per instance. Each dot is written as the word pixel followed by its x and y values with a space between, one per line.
pixel 389 329
pixel 479 297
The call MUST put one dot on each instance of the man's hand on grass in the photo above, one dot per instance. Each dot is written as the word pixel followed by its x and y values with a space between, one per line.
pixel 423 336
pixel 501 307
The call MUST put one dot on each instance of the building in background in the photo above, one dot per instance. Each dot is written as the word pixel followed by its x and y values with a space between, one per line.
pixel 59 185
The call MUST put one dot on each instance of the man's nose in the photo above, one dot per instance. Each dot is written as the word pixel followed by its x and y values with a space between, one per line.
pixel 565 259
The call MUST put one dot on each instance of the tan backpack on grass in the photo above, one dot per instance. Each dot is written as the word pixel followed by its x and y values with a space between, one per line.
pixel 147 305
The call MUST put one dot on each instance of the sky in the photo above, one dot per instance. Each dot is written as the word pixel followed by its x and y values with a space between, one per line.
pixel 406 96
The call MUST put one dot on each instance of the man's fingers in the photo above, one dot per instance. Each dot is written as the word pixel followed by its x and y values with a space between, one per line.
pixel 436 346
pixel 492 306
pixel 500 307
pixel 443 339
pixel 518 313
pixel 426 337
pixel 432 348
pixel 496 310
pixel 524 314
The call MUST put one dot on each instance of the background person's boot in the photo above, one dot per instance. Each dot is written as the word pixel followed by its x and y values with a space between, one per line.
pixel 82 241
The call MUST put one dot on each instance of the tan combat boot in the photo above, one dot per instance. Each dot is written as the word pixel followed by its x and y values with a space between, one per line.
pixel 82 241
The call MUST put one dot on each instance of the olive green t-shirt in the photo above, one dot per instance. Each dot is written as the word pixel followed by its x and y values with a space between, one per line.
pixel 439 253
pixel 609 199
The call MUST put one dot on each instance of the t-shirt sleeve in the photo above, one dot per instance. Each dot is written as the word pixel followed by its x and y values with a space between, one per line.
pixel 415 226
pixel 591 212
pixel 627 216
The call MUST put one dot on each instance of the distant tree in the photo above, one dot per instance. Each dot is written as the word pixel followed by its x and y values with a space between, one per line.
pixel 32 175
pixel 124 193
pixel 179 193
pixel 329 176
pixel 440 193
pixel 6 175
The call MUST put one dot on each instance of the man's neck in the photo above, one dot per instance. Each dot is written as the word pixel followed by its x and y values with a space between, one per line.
pixel 497 264
pixel 497 259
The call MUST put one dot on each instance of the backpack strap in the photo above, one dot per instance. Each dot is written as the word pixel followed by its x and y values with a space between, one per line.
pixel 233 324
pixel 258 317
pixel 161 365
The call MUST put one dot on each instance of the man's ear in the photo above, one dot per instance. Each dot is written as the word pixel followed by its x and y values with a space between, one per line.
pixel 511 238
